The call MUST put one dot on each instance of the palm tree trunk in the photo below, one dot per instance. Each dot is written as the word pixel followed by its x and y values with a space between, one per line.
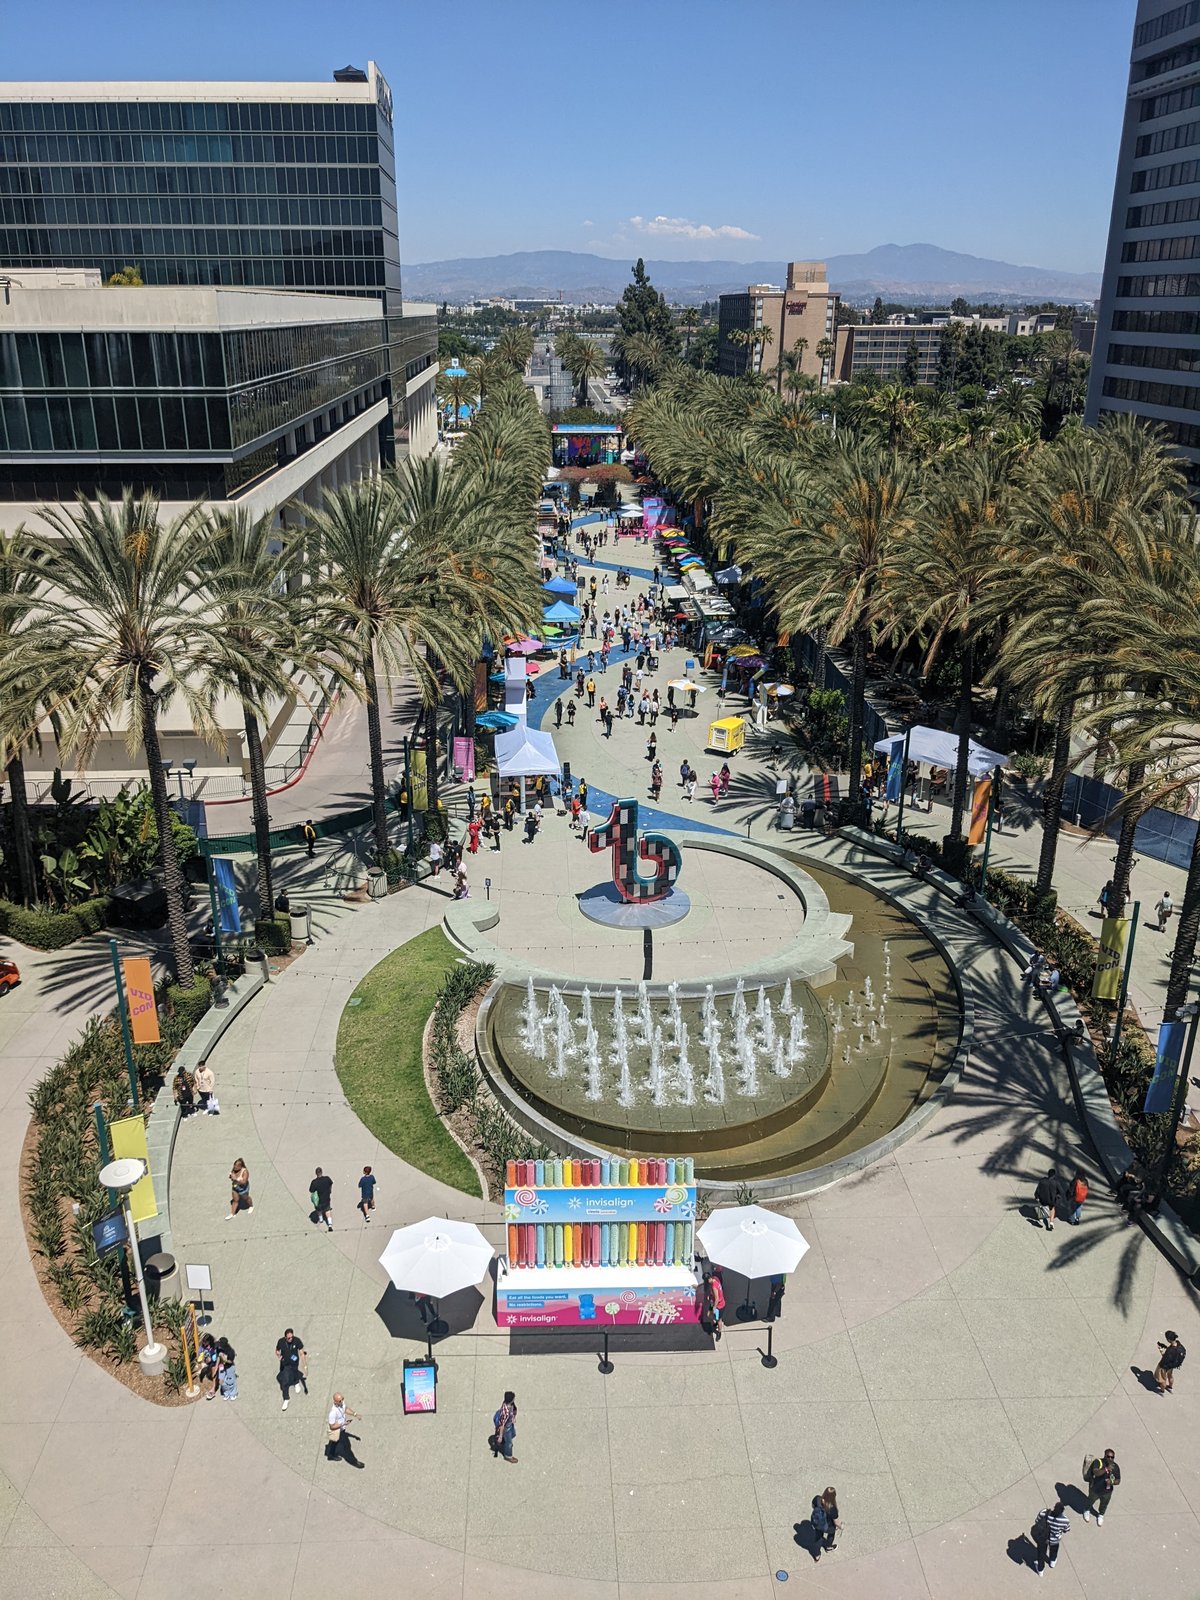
pixel 185 972
pixel 1052 802
pixel 258 803
pixel 961 771
pixel 1124 858
pixel 22 836
pixel 375 743
pixel 431 754
pixel 1184 953
pixel 858 696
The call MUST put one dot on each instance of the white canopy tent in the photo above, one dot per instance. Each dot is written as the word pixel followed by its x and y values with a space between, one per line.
pixel 526 752
pixel 936 748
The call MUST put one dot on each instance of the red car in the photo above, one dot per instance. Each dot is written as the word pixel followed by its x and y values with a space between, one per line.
pixel 10 975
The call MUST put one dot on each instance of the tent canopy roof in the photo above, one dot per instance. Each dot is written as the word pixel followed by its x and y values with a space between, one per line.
pixel 937 748
pixel 526 752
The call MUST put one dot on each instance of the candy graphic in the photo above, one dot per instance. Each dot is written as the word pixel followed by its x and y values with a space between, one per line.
pixel 676 1195
pixel 525 1197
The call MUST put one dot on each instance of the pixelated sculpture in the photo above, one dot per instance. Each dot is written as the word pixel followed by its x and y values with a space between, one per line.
pixel 619 833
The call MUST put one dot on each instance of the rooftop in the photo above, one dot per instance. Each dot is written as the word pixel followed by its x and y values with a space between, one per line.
pixel 179 306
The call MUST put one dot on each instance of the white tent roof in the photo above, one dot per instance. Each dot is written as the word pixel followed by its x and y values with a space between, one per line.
pixel 526 752
pixel 937 748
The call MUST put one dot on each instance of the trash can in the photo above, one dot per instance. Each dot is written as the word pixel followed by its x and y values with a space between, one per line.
pixel 301 921
pixel 258 959
pixel 162 1277
pixel 376 888
pixel 787 814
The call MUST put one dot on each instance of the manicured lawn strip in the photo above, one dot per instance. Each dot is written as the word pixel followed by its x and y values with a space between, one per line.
pixel 379 1058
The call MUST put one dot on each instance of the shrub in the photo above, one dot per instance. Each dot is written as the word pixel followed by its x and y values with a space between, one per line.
pixel 274 935
pixel 189 1005
pixel 1029 767
pixel 51 930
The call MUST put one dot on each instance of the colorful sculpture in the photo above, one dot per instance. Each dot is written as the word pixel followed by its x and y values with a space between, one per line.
pixel 619 834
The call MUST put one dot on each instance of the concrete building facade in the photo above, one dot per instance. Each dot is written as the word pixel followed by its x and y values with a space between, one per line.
pixel 804 309
pixel 1146 356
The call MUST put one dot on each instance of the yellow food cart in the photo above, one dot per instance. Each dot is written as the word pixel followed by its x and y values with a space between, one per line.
pixel 727 735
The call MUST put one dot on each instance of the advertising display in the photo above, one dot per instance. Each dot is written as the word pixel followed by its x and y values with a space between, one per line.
pixel 598 1243
pixel 420 1387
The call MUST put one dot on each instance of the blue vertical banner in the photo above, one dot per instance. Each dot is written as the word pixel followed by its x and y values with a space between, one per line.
pixel 228 909
pixel 1166 1067
pixel 895 777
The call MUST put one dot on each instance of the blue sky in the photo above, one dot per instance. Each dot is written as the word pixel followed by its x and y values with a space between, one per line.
pixel 745 129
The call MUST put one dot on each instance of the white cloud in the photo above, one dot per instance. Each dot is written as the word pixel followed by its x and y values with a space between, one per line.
pixel 681 228
pixel 588 223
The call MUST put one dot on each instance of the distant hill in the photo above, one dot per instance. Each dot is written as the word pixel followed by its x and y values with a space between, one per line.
pixel 900 271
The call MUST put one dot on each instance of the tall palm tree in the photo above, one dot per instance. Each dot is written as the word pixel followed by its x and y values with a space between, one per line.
pixel 751 340
pixel 585 361
pixel 689 319
pixel 240 563
pixel 513 348
pixel 791 362
pixel 120 610
pixel 21 584
pixel 826 350
pixel 455 391
pixel 830 563
pixel 953 561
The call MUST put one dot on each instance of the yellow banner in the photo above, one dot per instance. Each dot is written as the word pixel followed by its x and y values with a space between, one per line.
pixel 129 1139
pixel 420 780
pixel 979 811
pixel 1106 985
pixel 139 997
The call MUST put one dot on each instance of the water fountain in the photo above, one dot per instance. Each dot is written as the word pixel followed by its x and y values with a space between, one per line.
pixel 868 995
pixel 846 1056
pixel 687 1087
pixel 785 1005
pixel 760 1004
pixel 766 1028
pixel 657 1081
pixel 872 1031
pixel 591 1055
pixel 714 1082
pixel 779 1061
pixel 711 1028
pixel 645 1023
pixel 859 1045
pixel 585 1010
pixel 747 1066
pixel 795 1044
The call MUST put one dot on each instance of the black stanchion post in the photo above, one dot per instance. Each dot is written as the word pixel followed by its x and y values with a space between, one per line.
pixel 770 1359
pixel 606 1365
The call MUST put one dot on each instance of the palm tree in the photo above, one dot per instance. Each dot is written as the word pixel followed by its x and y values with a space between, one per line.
pixel 751 340
pixel 642 354
pixel 239 565
pixel 455 389
pixel 830 563
pixel 826 350
pixel 513 349
pixel 952 563
pixel 584 361
pixel 792 361
pixel 21 584
pixel 1016 402
pixel 689 319
pixel 897 412
pixel 121 612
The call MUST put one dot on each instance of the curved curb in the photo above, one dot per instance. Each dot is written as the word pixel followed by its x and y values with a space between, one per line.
pixel 1166 1230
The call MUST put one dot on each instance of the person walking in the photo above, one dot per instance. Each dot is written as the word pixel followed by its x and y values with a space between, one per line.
pixel 435 857
pixel 570 713
pixel 1052 1527
pixel 1103 1476
pixel 1105 897
pixel 1079 1193
pixel 293 1364
pixel 206 1089
pixel 725 776
pixel 504 1429
pixel 652 747
pixel 310 838
pixel 591 691
pixel 714 783
pixel 241 1199
pixel 825 1523
pixel 689 788
pixel 320 1192
pixel 337 1444
pixel 558 713
pixel 1046 1198
pixel 656 778
pixel 366 1193
pixel 1171 1358
pixel 1164 910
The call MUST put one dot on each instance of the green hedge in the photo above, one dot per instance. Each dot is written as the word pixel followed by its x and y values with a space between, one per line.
pixel 189 1005
pixel 52 930
pixel 274 935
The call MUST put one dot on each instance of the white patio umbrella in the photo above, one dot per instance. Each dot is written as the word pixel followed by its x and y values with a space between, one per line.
pixel 436 1257
pixel 753 1241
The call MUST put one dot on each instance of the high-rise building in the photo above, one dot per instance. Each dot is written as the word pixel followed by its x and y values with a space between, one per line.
pixel 796 318
pixel 286 186
pixel 1146 354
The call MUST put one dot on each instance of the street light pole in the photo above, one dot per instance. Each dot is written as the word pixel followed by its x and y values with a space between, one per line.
pixel 121 1176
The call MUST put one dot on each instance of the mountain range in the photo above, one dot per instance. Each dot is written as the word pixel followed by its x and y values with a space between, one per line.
pixel 899 271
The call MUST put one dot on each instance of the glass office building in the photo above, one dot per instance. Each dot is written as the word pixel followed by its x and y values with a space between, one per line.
pixel 285 186
pixel 1146 353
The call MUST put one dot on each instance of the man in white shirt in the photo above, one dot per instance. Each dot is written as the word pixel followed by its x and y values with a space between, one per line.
pixel 338 1442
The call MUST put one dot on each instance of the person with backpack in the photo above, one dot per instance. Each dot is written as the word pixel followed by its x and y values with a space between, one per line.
pixel 825 1524
pixel 1078 1194
pixel 1102 1475
pixel 504 1429
pixel 1171 1357
pixel 1050 1529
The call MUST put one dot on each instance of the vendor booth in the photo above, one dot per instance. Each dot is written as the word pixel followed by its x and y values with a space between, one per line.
pixel 524 753
pixel 727 736
pixel 935 747
pixel 598 1243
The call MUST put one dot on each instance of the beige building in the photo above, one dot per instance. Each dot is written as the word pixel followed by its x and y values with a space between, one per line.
pixel 801 315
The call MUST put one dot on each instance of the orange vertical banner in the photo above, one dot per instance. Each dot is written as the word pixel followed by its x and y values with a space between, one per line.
pixel 139 996
pixel 979 811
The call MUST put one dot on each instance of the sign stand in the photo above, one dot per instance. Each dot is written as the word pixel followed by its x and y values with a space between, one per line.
pixel 199 1278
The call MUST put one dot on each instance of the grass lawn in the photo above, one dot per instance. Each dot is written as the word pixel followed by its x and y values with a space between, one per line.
pixel 379 1058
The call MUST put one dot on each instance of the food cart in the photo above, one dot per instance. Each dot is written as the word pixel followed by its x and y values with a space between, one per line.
pixel 727 735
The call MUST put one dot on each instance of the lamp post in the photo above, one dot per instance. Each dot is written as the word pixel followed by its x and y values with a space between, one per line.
pixel 120 1176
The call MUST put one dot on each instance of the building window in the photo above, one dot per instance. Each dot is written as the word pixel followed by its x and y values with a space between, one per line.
pixel 1175 284
pixel 1185 322
pixel 1166 105
pixel 1180 395
pixel 1176 138
pixel 1166 358
pixel 1180 247
pixel 1164 211
pixel 1167 177
pixel 1169 22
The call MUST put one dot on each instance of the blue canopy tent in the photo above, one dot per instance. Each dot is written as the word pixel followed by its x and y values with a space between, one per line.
pixel 560 611
pixel 560 586
pixel 496 721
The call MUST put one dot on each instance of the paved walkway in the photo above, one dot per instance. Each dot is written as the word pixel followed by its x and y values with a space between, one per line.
pixel 943 1363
